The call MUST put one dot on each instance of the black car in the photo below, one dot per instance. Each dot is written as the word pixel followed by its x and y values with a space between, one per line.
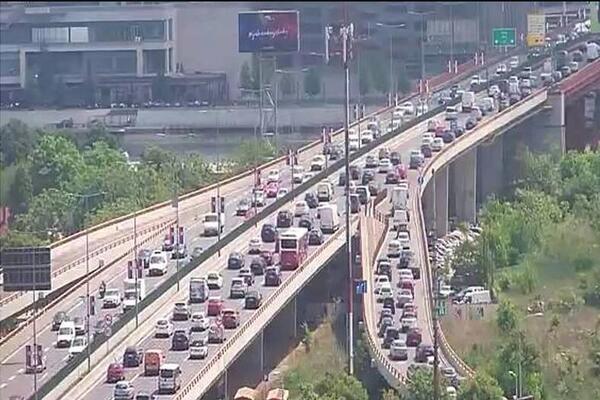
pixel 285 219
pixel 342 179
pixel 268 233
pixel 391 334
pixel 388 303
pixel 384 267
pixel 448 136
pixel 253 300
pixel 315 237
pixel 242 208
pixel 426 150
pixel 235 261
pixel 355 172
pixel 392 178
pixel 306 221
pixel 144 257
pixel 385 323
pixel 180 340
pixel 258 265
pixel 470 124
pixel 371 162
pixel 311 200
pixel 459 131
pixel 132 357
pixel 385 313
pixel 367 177
pixel 514 99
pixel 272 276
pixel 58 319
pixel 179 252
pixel 422 352
pixel 395 158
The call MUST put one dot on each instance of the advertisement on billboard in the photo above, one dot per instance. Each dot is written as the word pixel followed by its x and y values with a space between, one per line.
pixel 536 29
pixel 269 31
pixel 595 16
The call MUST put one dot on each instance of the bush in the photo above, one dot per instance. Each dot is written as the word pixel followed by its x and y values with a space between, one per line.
pixel 592 293
pixel 507 317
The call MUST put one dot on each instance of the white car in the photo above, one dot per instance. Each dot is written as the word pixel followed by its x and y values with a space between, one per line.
pixel 353 144
pixel 318 163
pixel 273 176
pixel 366 137
pixel 381 281
pixel 199 321
pixel 211 223
pixel 124 390
pixel 403 239
pixel 198 348
pixel 422 108
pixel 514 62
pixel 445 291
pixel 501 69
pixel 298 174
pixel 493 91
pixel 112 298
pixel 282 192
pixel 393 126
pixel 407 107
pixel 78 345
pixel 385 292
pixel 408 323
pixel 426 141
pixel 254 246
pixel 427 136
pixel 301 208
pixel 214 280
pixel 384 165
pixel 405 274
pixel 163 328
pixel 309 175
pixel 394 248
pixel 513 79
pixel 158 263
pixel 437 144
pixel 403 297
pixel 398 350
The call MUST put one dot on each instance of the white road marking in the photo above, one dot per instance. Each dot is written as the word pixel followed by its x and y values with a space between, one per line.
pixel 12 378
pixel 20 371
pixel 3 385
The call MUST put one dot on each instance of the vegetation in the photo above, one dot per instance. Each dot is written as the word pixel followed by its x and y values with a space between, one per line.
pixel 56 185
pixel 539 253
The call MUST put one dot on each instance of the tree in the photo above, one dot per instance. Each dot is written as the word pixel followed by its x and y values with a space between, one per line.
pixel 389 394
pixel 245 76
pixel 482 387
pixel 16 141
pixel 312 82
pixel 251 152
pixel 21 190
pixel 364 80
pixel 420 386
pixel 56 161
pixel 341 386
pixel 51 210
pixel 506 317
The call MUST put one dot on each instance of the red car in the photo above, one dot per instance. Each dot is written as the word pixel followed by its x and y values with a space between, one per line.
pixel 272 189
pixel 115 373
pixel 231 318
pixel 401 171
pixel 215 306
pixel 439 130
pixel 413 337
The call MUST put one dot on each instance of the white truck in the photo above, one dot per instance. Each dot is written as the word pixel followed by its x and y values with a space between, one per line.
pixel 479 297
pixel 329 217
pixel 129 292
pixel 399 197
pixel 468 101
pixel 211 225
pixel 592 49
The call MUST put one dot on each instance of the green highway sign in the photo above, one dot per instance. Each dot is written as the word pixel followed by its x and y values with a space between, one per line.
pixel 504 37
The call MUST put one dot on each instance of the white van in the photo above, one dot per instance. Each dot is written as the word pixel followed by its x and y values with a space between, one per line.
pixel 329 217
pixel 325 191
pixel 479 297
pixel 399 198
pixel 468 101
pixel 66 334
pixel 169 378
pixel 592 50
pixel 129 292
pixel 400 220
pixel 451 113
pixel 158 263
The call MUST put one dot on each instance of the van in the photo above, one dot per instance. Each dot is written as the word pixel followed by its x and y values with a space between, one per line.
pixel 169 378
pixel 399 198
pixel 591 50
pixel 198 290
pixel 478 297
pixel 400 220
pixel 468 101
pixel 153 359
pixel 66 334
pixel 325 191
pixel 329 217
pixel 451 113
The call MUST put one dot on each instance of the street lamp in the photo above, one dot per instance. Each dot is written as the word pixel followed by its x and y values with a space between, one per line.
pixel 511 373
pixel 391 26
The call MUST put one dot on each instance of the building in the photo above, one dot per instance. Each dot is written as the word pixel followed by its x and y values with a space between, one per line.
pixel 103 52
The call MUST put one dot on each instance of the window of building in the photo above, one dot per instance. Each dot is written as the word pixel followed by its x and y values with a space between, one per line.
pixel 170 28
pixel 9 64
pixel 79 35
pixel 170 66
pixel 50 35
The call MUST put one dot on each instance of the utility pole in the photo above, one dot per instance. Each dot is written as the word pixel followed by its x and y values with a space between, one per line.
pixel 436 360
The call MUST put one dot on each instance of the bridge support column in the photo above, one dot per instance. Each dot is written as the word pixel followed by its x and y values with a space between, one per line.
pixel 441 201
pixel 428 204
pixel 548 132
pixel 464 171
pixel 490 170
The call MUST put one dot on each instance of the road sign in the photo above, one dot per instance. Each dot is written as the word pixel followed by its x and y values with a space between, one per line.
pixel 504 37
pixel 442 307
pixel 26 268
pixel 108 320
pixel 536 30
pixel 360 286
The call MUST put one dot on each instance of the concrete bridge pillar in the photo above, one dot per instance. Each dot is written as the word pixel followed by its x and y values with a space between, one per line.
pixel 464 174
pixel 490 170
pixel 548 130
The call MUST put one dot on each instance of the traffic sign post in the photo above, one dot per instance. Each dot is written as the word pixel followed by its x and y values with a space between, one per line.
pixel 360 287
pixel 504 37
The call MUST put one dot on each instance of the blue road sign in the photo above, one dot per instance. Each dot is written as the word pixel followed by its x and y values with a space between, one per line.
pixel 360 287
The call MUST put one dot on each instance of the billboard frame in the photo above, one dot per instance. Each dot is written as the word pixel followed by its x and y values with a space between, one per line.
pixel 26 261
pixel 244 48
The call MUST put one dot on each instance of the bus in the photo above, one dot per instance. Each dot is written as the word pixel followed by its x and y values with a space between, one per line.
pixel 292 247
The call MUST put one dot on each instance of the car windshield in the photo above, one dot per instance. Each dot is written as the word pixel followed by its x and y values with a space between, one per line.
pixel 162 322
pixel 213 276
pixel 111 292
pixel 210 218
pixel 78 342
pixel 156 259
pixel 288 243
pixel 166 373
pixel 124 385
pixel 130 295
pixel 64 331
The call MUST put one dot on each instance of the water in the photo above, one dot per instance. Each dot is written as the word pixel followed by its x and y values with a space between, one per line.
pixel 209 146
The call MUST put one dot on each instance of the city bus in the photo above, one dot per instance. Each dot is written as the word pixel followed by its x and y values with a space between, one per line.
pixel 292 247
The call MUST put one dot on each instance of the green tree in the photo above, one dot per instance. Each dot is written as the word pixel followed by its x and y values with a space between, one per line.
pixel 420 386
pixel 21 190
pixel 482 387
pixel 56 161
pixel 16 141
pixel 50 210
pixel 245 76
pixel 389 394
pixel 341 386
pixel 507 317
pixel 312 82
pixel 251 152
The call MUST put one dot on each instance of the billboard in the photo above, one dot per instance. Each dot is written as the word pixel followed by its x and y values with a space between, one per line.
pixel 536 30
pixel 26 268
pixel 595 16
pixel 269 31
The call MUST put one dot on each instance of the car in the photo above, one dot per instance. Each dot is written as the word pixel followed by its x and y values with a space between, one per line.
pixel 301 208
pixel 403 274
pixel 199 321
pixel 371 162
pixel 381 281
pixel 180 340
pixel 363 194
pixel 384 313
pixel 285 219
pixel 79 326
pixel 159 264
pixel 367 177
pixel 422 352
pixel 311 200
pixel 247 275
pixel 181 312
pixel 315 237
pixel 272 276
pixel 458 132
pixel 448 136
pixel 273 176
pixel 385 292
pixel 342 179
pixel 355 172
pixel 306 221
pixel 235 260
pixel 391 333
pixel 408 322
pixel 268 257
pixel 215 306
pixel 144 257
pixel 258 198
pixel 437 144
pixel 115 372
pixel 374 188
pixel 384 152
pixel 238 288
pixel 98 328
pixel 282 192
pixel 254 246
pixel 384 165
pixel 253 300
pixel 309 175
pixel 449 373
pixel 163 328
pixel 414 337
pixel 216 334
pixel 231 318
pixel 167 243
pixel 214 280
pixel 416 159
pixel 404 296
pixel 445 291
pixel 243 207
pixel 470 124
pixel 268 233
pixel 197 251
pixel 298 174
pixel 426 150
pixel 318 163
pixel 124 390
pixel 385 323
pixel 398 350
pixel 258 265
pixel 198 349
pixel 395 158
pixel 132 357
pixel 392 178
pixel 271 190
pixel 112 298
pixel 77 346
pixel 179 251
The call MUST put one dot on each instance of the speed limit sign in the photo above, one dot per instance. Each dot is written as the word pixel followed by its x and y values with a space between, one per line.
pixel 108 319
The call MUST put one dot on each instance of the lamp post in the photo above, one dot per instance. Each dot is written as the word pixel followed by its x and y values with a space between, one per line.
pixel 511 373
pixel 391 26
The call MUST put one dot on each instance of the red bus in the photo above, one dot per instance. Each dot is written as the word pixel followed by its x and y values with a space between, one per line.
pixel 292 247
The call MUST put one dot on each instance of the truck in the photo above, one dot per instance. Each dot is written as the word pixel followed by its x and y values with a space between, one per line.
pixel 468 101
pixel 129 292
pixel 399 198
pixel 478 297
pixel 592 49
pixel 211 225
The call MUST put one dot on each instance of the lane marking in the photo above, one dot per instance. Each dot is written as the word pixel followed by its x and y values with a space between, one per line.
pixel 12 378
pixel 20 371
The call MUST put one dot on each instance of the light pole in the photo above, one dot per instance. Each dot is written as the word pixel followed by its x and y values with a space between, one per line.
pixel 436 361
pixel 391 26
pixel 511 373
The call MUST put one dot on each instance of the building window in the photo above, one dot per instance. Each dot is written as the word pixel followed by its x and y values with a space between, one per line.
pixel 50 35
pixel 170 28
pixel 9 64
pixel 79 35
